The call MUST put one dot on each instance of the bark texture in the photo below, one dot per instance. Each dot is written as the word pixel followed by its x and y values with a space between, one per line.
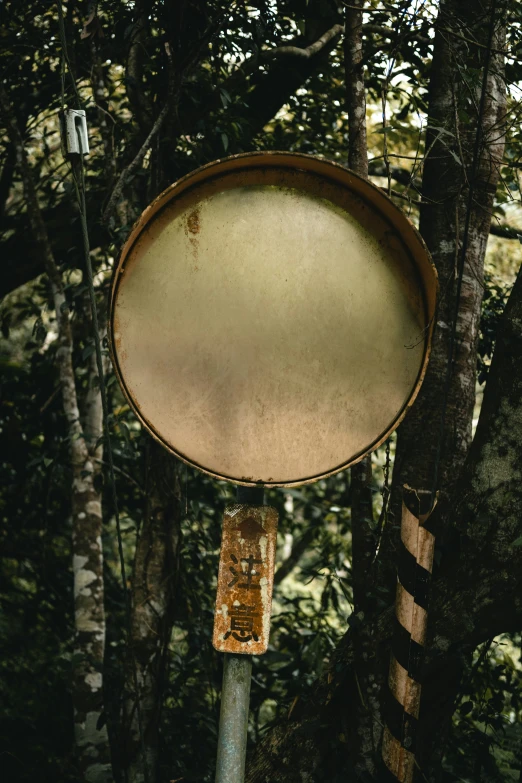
pixel 355 92
pixel 92 746
pixel 87 683
pixel 455 90
pixel 154 582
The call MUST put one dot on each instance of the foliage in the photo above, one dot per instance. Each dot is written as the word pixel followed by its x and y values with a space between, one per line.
pixel 487 721
pixel 225 105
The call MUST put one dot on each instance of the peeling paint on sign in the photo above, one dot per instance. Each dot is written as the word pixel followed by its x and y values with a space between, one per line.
pixel 245 581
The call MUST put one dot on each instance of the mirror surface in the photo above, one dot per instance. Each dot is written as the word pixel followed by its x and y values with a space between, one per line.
pixel 270 323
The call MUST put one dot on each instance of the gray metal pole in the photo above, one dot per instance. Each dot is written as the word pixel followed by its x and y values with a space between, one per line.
pixel 233 720
pixel 235 694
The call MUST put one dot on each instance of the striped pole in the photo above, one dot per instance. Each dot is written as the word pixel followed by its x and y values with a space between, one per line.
pixel 411 607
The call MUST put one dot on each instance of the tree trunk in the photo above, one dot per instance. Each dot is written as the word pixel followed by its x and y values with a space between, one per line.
pixel 355 90
pixel 461 172
pixel 362 522
pixel 89 721
pixel 425 437
pixel 87 683
pixel 363 542
pixel 154 582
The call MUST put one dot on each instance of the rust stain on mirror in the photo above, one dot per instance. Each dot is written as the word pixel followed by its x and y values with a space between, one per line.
pixel 245 580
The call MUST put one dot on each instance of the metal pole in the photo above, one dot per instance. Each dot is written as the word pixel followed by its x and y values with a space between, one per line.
pixel 233 720
pixel 235 694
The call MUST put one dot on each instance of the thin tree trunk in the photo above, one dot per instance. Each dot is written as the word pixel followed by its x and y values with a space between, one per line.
pixel 355 88
pixel 92 746
pixel 105 121
pixel 90 732
pixel 362 522
pixel 363 544
pixel 154 582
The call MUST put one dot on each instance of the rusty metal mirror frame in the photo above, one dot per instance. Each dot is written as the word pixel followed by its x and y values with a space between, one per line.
pixel 253 168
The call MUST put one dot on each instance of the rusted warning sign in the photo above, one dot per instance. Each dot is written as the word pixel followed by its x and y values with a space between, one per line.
pixel 245 580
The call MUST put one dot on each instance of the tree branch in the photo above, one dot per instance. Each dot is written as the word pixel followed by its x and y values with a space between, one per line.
pixel 93 416
pixel 132 169
pixel 403 177
pixel 140 105
pixel 389 32
pixel 298 550
pixel 505 231
pixel 290 67
pixel 309 51
pixel 6 178
pixel 99 92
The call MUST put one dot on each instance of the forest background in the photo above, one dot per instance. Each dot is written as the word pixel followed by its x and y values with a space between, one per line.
pixel 167 87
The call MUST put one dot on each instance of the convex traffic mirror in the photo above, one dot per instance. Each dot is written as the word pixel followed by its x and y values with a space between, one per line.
pixel 271 316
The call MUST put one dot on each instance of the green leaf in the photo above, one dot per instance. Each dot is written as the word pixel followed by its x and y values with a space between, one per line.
pixel 441 130
pixel 454 155
pixel 87 351
pixel 225 97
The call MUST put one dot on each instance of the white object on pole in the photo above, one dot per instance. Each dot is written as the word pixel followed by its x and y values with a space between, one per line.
pixel 77 140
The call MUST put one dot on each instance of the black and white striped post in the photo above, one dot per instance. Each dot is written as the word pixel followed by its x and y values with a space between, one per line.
pixel 409 638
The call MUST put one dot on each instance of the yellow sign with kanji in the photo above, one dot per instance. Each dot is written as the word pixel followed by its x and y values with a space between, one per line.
pixel 245 580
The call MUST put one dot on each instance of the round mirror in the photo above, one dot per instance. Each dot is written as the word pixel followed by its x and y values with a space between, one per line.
pixel 271 316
